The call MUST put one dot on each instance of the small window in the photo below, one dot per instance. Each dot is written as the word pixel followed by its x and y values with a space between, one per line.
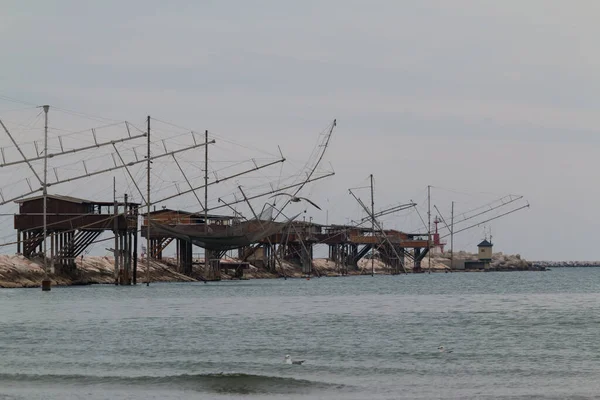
pixel 482 250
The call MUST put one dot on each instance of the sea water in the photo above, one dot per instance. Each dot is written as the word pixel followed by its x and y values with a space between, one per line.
pixel 507 335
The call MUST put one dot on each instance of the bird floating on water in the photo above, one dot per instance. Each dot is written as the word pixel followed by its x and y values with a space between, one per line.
pixel 296 199
pixel 442 349
pixel 288 360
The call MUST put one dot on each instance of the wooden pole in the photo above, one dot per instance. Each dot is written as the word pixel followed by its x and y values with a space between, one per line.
pixel 127 247
pixel 372 229
pixel 148 211
pixel 116 230
pixel 206 180
pixel 452 238
pixel 135 247
pixel 207 252
pixel 429 225
pixel 46 281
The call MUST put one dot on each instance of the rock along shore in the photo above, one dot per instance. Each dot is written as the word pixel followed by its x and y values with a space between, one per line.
pixel 17 271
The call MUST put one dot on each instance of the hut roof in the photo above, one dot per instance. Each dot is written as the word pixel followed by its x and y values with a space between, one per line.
pixel 183 212
pixel 56 197
pixel 69 199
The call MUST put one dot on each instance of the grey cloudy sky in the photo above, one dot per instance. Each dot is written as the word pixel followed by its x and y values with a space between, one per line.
pixel 476 98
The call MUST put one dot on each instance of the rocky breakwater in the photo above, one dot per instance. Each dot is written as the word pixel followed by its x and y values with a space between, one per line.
pixel 17 271
pixel 565 264
pixel 439 262
pixel 500 262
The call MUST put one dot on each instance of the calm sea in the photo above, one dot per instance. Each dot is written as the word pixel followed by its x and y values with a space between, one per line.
pixel 519 335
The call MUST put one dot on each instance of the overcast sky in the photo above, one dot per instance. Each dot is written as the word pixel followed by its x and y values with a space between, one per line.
pixel 477 98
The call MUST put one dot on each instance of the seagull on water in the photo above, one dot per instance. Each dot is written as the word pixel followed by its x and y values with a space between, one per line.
pixel 288 360
pixel 296 199
pixel 442 349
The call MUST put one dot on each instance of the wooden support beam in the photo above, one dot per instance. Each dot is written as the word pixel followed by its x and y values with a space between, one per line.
pixel 89 240
pixel 159 246
pixel 135 255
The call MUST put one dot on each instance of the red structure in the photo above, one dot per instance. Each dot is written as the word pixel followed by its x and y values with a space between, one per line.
pixel 436 236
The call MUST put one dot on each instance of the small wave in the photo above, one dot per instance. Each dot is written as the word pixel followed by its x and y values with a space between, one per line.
pixel 7 397
pixel 232 383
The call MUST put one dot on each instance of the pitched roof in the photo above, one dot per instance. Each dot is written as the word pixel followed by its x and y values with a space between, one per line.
pixel 56 197
pixel 168 210
pixel 182 212
pixel 485 243
pixel 71 199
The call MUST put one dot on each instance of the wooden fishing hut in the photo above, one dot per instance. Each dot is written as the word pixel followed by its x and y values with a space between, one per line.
pixel 347 245
pixel 72 225
pixel 192 223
